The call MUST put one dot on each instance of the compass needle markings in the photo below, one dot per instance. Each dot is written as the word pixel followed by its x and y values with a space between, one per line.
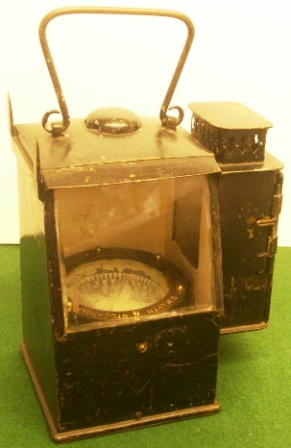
pixel 120 287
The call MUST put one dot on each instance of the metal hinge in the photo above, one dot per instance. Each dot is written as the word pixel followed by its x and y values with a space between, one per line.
pixel 272 220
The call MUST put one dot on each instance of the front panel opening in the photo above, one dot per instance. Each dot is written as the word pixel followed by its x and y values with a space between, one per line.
pixel 135 251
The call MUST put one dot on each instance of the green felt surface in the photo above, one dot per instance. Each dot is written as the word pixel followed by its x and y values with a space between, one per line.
pixel 254 382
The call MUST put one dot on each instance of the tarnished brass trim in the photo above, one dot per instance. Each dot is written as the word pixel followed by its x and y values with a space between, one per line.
pixel 113 121
pixel 57 129
pixel 266 222
pixel 139 422
pixel 13 129
pixel 243 328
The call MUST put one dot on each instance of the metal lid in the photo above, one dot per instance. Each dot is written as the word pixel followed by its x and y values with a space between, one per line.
pixel 85 158
pixel 229 115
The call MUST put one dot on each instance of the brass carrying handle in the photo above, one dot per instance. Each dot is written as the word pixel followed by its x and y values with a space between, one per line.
pixel 58 129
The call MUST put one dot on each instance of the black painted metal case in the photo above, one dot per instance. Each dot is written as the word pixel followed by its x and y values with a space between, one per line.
pixel 140 244
pixel 250 196
pixel 98 370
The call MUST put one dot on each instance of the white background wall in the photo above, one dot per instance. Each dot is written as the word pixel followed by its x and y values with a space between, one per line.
pixel 241 52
